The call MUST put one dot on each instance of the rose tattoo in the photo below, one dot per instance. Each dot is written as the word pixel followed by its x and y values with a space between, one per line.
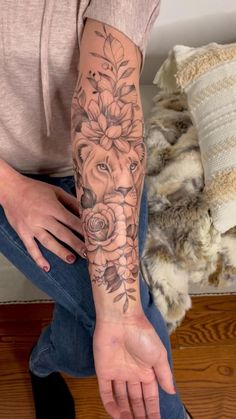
pixel 105 230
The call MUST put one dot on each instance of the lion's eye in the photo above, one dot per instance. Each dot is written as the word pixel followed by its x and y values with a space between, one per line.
pixel 133 166
pixel 103 167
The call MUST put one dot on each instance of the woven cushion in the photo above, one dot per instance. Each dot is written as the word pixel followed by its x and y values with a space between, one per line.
pixel 208 77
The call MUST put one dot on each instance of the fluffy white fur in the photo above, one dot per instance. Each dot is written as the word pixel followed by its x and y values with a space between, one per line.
pixel 182 244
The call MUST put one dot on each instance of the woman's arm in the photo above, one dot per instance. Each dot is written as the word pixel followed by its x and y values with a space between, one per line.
pixel 109 156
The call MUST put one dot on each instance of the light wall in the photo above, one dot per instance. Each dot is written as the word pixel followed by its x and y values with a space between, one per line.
pixel 191 23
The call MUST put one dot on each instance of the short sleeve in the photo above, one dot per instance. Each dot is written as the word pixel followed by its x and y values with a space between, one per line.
pixel 134 18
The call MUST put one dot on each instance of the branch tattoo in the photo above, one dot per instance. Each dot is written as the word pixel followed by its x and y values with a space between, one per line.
pixel 109 162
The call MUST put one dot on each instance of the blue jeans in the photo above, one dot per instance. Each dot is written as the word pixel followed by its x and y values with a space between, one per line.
pixel 66 344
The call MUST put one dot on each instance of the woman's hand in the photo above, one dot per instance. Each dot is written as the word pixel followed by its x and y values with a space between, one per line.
pixel 37 210
pixel 130 360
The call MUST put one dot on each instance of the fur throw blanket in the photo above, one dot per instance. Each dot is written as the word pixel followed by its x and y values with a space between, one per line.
pixel 207 76
pixel 182 244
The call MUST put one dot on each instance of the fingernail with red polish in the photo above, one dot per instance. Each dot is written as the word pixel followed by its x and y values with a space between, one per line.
pixel 85 254
pixel 46 268
pixel 70 258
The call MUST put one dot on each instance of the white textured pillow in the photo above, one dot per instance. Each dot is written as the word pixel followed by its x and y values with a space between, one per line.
pixel 208 77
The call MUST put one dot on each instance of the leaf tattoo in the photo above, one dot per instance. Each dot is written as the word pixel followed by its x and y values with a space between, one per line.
pixel 127 72
pixel 113 50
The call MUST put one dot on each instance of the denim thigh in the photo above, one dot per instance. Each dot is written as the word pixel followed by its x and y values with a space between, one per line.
pixel 66 344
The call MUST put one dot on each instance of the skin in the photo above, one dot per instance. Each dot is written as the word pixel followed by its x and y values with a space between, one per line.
pixel 54 217
pixel 109 160
pixel 129 363
pixel 109 156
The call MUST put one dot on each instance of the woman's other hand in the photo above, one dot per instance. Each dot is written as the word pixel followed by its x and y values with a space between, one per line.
pixel 37 210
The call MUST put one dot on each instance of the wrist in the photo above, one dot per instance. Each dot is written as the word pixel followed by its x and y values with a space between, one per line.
pixel 136 317
pixel 118 306
pixel 8 179
pixel 114 316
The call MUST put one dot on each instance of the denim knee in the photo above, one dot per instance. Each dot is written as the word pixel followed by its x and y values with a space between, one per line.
pixel 65 345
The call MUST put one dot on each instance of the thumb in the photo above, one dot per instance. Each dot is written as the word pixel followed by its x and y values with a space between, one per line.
pixel 164 375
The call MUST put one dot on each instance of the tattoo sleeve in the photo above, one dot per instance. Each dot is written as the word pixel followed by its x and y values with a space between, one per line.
pixel 109 162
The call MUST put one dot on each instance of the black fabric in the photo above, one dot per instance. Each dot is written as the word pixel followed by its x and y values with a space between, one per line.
pixel 52 397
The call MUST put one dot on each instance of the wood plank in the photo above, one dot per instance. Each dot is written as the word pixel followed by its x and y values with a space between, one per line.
pixel 14 312
pixel 210 366
pixel 14 358
pixel 16 398
pixel 211 321
pixel 210 403
pixel 174 341
pixel 206 378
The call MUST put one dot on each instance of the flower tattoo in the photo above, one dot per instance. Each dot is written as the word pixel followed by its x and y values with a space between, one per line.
pixel 109 162
pixel 105 230
pixel 110 124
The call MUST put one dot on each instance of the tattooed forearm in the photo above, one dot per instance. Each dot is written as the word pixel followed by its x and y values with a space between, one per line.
pixel 109 160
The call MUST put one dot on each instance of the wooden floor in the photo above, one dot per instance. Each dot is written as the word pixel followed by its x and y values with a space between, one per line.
pixel 204 352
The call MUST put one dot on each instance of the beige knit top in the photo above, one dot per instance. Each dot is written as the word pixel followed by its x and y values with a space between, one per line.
pixel 39 55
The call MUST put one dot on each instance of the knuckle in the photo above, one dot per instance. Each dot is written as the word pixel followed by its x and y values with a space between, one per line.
pixel 163 355
pixel 76 244
pixel 75 225
pixel 109 408
pixel 58 233
pixel 73 242
pixel 106 393
pixel 136 401
pixel 72 222
pixel 24 236
pixel 30 247
pixel 72 219
pixel 121 398
pixel 44 239
pixel 151 400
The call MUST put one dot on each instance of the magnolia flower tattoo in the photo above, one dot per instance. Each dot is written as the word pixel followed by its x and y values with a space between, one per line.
pixel 109 162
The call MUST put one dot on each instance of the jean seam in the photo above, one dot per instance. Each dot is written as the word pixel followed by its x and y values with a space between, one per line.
pixel 185 413
pixel 47 275
pixel 40 352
